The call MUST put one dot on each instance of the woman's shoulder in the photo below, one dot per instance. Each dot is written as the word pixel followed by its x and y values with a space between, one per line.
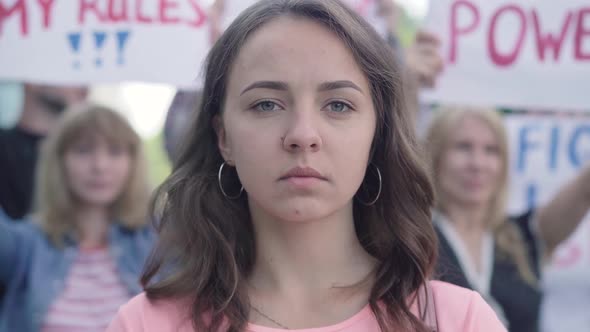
pixel 142 314
pixel 27 227
pixel 144 233
pixel 461 309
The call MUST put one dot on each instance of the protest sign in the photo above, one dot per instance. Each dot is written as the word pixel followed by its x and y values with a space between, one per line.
pixel 88 41
pixel 513 53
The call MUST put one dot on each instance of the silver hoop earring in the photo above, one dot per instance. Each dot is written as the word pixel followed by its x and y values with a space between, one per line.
pixel 221 185
pixel 378 192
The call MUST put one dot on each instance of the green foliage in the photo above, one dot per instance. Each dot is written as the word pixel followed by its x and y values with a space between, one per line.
pixel 406 27
pixel 158 163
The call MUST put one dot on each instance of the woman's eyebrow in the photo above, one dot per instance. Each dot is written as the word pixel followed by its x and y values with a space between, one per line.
pixel 333 85
pixel 273 85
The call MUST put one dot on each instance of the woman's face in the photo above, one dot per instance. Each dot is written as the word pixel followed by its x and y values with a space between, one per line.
pixel 471 165
pixel 97 170
pixel 298 121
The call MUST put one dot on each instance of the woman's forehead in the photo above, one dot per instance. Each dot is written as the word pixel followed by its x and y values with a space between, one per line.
pixel 295 49
pixel 473 127
pixel 98 136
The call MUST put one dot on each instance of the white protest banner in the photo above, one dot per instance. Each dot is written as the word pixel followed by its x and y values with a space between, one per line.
pixel 513 53
pixel 547 151
pixel 98 41
pixel 566 282
pixel 89 41
pixel 370 11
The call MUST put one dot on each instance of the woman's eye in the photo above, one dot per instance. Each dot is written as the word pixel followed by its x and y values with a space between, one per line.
pixel 463 146
pixel 83 148
pixel 339 107
pixel 493 150
pixel 116 150
pixel 266 106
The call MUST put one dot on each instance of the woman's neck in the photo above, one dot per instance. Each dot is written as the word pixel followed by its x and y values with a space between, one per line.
pixel 93 224
pixel 304 261
pixel 468 220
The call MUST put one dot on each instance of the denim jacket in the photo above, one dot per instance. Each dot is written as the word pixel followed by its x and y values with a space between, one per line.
pixel 34 271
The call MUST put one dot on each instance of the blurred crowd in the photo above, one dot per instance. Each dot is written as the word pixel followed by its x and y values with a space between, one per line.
pixel 75 230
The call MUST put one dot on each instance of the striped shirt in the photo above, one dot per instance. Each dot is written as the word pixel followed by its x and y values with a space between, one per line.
pixel 92 295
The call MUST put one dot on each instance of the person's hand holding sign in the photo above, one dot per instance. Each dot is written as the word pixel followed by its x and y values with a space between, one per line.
pixel 423 59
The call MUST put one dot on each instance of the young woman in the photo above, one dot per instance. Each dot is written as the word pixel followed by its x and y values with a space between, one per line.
pixel 480 248
pixel 79 258
pixel 299 201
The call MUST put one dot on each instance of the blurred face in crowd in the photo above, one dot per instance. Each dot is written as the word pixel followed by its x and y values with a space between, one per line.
pixel 298 121
pixel 56 98
pixel 471 165
pixel 97 170
pixel 44 104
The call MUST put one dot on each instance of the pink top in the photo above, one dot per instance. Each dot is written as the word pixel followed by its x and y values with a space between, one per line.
pixel 457 310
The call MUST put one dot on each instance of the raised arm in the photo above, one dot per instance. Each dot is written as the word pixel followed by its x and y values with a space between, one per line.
pixel 560 217
pixel 424 60
pixel 422 64
pixel 216 11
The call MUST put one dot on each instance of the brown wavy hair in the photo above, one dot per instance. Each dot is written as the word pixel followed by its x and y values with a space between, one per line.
pixel 54 200
pixel 206 249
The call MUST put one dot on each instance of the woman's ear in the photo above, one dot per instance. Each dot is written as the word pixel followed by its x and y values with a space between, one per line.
pixel 222 142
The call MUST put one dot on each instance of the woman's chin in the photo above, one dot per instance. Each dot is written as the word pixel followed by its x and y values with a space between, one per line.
pixel 300 209
pixel 302 212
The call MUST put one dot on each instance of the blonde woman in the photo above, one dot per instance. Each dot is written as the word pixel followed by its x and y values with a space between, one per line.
pixel 480 248
pixel 78 259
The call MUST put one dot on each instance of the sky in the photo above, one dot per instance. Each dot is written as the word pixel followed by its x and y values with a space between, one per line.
pixel 144 104
pixel 416 8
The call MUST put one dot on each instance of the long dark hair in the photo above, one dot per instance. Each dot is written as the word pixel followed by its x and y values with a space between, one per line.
pixel 206 249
